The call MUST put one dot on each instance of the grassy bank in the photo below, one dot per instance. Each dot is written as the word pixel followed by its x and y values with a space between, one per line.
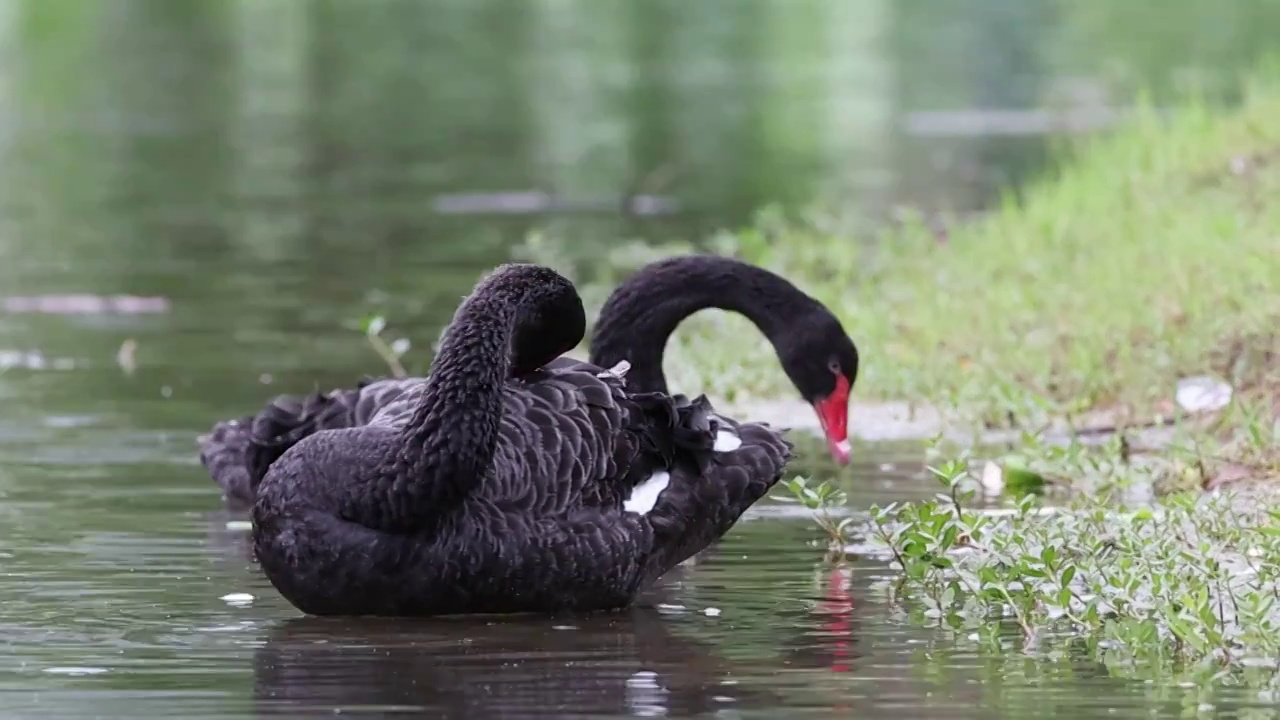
pixel 1151 255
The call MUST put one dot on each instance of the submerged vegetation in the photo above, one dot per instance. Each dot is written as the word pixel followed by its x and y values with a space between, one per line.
pixel 1186 588
pixel 1189 585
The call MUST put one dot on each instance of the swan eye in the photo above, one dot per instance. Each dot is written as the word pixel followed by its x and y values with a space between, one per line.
pixel 834 366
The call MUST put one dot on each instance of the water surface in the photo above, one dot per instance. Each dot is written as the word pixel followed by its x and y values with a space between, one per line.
pixel 264 174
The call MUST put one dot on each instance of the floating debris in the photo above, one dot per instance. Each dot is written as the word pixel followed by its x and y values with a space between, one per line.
pixel 711 612
pixel 84 304
pixel 75 671
pixel 126 356
pixel 238 627
pixel 240 525
pixel 643 679
pixel 237 599
pixel 33 360
pixel 522 202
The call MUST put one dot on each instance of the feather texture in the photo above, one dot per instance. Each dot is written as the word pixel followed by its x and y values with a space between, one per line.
pixel 238 452
pixel 419 511
pixel 630 336
pixel 548 529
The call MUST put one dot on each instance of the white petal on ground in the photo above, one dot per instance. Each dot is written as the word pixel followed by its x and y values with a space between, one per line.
pixel 1202 393
pixel 992 478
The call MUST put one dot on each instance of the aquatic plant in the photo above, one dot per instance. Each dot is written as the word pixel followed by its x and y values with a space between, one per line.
pixel 390 352
pixel 827 501
pixel 1191 580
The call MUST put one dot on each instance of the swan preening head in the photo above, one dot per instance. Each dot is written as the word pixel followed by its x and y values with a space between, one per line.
pixel 548 329
pixel 822 362
pixel 816 353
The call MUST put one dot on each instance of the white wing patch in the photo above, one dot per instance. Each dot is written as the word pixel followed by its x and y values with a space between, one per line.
pixel 618 371
pixel 726 441
pixel 645 495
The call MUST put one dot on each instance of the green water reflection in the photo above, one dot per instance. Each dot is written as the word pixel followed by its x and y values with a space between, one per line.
pixel 273 171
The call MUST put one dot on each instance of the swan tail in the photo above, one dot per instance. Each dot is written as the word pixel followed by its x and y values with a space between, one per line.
pixel 238 452
pixel 701 504
pixel 289 419
pixel 222 452
pixel 679 431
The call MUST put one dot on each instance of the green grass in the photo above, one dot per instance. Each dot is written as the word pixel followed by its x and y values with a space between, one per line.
pixel 1183 590
pixel 1188 589
pixel 1147 255
pixel 1151 254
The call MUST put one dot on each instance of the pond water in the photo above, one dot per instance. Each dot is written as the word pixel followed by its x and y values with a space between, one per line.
pixel 267 173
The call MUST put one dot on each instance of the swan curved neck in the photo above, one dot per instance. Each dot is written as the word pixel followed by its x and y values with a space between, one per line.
pixel 448 442
pixel 642 313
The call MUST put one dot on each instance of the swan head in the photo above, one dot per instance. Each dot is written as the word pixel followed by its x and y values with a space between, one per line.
pixel 551 322
pixel 822 362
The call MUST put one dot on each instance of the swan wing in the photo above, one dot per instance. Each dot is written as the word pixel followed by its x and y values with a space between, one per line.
pixel 222 452
pixel 621 488
pixel 700 505
pixel 238 452
pixel 562 436
pixel 572 437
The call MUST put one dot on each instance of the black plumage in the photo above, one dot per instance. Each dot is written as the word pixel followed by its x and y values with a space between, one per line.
pixel 634 326
pixel 475 491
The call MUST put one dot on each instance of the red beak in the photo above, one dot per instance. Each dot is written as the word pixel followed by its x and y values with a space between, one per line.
pixel 833 414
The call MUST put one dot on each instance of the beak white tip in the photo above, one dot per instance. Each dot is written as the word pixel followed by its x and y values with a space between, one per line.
pixel 841 451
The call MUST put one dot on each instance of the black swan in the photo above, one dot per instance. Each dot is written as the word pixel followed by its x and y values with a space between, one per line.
pixel 556 490
pixel 634 326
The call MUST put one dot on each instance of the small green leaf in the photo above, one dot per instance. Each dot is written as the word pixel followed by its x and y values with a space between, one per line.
pixel 374 324
pixel 948 538
pixel 1068 575
pixel 1021 481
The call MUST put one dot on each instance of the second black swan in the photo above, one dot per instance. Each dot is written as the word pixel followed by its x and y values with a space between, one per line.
pixel 558 490
pixel 634 325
